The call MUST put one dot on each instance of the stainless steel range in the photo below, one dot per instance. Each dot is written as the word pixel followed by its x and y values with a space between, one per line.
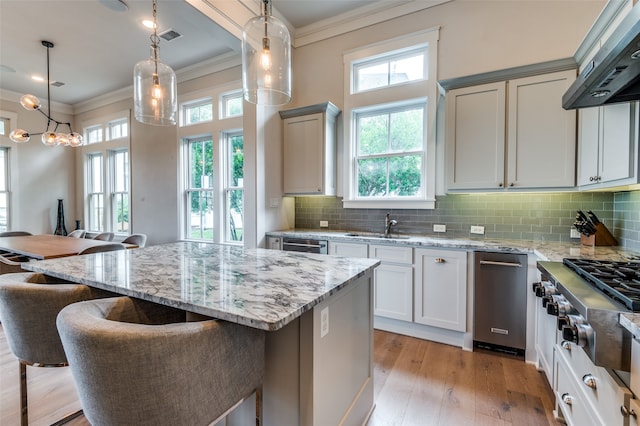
pixel 588 296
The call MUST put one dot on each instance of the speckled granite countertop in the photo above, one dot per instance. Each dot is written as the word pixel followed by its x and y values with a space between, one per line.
pixel 632 323
pixel 259 288
pixel 549 251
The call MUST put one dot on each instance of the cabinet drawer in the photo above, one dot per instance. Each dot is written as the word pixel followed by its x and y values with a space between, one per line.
pixel 348 249
pixel 391 253
pixel 570 400
pixel 607 394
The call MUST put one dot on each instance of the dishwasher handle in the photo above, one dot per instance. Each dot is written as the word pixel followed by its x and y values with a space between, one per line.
pixel 494 263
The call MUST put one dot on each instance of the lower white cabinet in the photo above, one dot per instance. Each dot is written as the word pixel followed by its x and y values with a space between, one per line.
pixel 440 284
pixel 348 249
pixel 393 282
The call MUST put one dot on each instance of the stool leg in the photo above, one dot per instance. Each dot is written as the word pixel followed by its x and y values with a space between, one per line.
pixel 259 406
pixel 24 410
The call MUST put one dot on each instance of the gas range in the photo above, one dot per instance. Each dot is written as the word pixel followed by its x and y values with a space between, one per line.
pixel 587 297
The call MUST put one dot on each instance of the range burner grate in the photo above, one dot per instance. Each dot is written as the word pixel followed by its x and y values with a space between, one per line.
pixel 618 280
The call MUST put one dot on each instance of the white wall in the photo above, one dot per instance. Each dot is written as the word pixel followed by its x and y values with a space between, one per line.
pixel 39 174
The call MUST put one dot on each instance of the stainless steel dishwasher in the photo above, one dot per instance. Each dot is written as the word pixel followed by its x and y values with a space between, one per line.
pixel 500 301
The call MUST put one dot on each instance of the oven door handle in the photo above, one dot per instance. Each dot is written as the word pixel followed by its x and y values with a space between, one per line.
pixel 491 262
pixel 303 245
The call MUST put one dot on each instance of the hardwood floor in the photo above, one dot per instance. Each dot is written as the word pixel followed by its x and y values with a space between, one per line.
pixel 417 382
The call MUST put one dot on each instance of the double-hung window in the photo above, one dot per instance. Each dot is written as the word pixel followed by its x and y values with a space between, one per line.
pixel 389 122
pixel 4 189
pixel 212 166
pixel 106 165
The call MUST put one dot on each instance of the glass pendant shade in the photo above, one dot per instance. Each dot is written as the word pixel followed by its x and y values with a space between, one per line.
pixel 30 102
pixel 19 136
pixel 266 61
pixel 155 93
pixel 49 139
pixel 75 139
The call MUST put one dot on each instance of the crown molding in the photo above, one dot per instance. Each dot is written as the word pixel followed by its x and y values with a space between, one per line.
pixel 10 96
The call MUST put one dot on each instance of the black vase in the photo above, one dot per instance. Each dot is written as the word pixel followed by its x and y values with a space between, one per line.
pixel 60 228
pixel 77 224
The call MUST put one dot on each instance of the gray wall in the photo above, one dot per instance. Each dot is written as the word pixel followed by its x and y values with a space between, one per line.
pixel 527 216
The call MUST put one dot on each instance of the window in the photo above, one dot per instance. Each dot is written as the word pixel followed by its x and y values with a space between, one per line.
pixel 4 189
pixel 199 190
pixel 95 194
pixel 120 191
pixel 234 193
pixel 212 158
pixel 197 112
pixel 231 104
pixel 390 105
pixel 93 134
pixel 118 129
pixel 5 126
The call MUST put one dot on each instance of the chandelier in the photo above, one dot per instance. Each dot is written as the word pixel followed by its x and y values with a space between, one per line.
pixel 266 59
pixel 49 137
pixel 155 94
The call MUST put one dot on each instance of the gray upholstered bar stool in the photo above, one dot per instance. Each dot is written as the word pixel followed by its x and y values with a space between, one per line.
pixel 29 304
pixel 134 365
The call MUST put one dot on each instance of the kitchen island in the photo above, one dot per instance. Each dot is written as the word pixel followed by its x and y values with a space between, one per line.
pixel 317 311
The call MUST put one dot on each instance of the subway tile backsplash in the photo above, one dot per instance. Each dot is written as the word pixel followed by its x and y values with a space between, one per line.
pixel 525 216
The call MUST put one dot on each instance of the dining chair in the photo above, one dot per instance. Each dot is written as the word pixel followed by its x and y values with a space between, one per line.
pixel 10 265
pixel 105 236
pixel 29 304
pixel 78 233
pixel 134 364
pixel 103 248
pixel 138 239
pixel 14 233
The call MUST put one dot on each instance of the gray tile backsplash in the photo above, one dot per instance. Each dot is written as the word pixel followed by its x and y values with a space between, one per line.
pixel 526 216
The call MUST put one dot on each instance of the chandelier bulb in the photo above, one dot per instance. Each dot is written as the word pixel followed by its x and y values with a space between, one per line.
pixel 49 139
pixel 30 102
pixel 75 139
pixel 19 136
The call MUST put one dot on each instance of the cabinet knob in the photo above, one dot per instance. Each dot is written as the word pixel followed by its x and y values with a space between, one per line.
pixel 512 184
pixel 589 380
pixel 567 399
pixel 592 178
pixel 440 260
pixel 566 345
pixel 626 412
pixel 501 184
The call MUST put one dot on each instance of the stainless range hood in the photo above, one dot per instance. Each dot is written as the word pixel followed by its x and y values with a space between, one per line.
pixel 613 75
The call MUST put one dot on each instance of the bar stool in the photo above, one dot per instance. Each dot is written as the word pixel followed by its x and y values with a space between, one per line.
pixel 29 304
pixel 133 364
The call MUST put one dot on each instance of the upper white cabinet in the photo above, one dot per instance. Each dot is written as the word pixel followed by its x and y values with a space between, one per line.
pixel 511 134
pixel 310 149
pixel 608 144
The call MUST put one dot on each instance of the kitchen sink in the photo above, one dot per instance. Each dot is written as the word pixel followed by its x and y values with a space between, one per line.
pixel 373 235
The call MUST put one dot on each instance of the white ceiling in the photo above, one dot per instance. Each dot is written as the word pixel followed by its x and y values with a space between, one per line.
pixel 96 47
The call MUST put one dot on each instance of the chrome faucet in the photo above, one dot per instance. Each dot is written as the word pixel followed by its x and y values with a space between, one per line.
pixel 388 223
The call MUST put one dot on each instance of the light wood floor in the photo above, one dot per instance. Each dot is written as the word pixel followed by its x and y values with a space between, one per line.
pixel 416 383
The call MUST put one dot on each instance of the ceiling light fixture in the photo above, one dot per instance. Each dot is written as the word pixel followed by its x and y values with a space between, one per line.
pixel 266 59
pixel 49 138
pixel 154 86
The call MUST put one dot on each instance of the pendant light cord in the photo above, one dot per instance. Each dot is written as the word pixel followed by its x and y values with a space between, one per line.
pixel 155 40
pixel 49 45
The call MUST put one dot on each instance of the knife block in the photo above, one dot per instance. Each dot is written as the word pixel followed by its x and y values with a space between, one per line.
pixel 602 237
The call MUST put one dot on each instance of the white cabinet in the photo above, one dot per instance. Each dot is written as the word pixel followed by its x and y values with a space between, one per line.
pixel 393 282
pixel 339 248
pixel 309 146
pixel 511 134
pixel 607 146
pixel 440 285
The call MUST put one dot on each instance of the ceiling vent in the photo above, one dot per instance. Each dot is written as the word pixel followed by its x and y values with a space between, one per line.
pixel 170 34
pixel 57 83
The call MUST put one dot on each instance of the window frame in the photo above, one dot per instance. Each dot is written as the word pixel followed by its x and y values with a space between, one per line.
pixel 381 98
pixel 227 186
pixel 90 173
pixel 196 103
pixel 5 191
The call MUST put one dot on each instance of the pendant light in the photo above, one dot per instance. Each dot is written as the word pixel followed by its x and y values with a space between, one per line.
pixel 154 86
pixel 266 59
pixel 49 137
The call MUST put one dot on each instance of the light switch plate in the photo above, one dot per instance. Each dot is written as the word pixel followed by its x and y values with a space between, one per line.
pixel 439 228
pixel 324 322
pixel 575 233
pixel 477 230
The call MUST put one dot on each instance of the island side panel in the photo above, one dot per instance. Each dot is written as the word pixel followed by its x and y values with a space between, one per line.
pixel 336 358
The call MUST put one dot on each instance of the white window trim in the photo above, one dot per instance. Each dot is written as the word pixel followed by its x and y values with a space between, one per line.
pixel 12 159
pixel 400 93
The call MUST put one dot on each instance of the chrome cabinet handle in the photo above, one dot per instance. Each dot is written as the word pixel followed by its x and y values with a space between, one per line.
pixel 626 412
pixel 566 345
pixel 512 184
pixel 440 260
pixel 567 399
pixel 589 380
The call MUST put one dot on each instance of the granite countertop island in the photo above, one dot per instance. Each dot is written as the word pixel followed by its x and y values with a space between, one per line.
pixel 260 288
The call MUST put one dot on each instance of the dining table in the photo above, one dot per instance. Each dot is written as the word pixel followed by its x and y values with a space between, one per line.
pixel 48 246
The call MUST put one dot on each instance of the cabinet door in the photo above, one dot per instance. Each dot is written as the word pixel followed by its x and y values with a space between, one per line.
pixel 475 137
pixel 589 142
pixel 541 140
pixel 441 288
pixel 348 249
pixel 393 291
pixel 616 161
pixel 303 154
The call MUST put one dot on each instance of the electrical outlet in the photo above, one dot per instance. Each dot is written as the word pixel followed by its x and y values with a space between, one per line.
pixel 324 224
pixel 324 322
pixel 439 228
pixel 575 233
pixel 477 230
